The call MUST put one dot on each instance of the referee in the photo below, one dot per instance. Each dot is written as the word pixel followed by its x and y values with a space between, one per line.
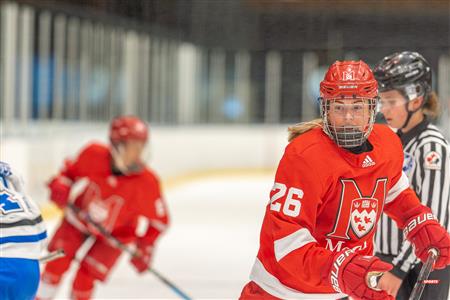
pixel 408 104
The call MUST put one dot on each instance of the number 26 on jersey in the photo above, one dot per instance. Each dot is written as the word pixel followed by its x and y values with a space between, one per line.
pixel 291 205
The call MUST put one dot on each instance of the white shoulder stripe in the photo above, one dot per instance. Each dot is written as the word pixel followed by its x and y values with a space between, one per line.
pixel 23 230
pixel 273 286
pixel 22 250
pixel 400 186
pixel 291 242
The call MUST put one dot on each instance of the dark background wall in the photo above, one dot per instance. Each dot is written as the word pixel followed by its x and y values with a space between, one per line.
pixel 333 30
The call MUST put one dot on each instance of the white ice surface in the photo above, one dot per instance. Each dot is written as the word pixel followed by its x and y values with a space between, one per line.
pixel 209 249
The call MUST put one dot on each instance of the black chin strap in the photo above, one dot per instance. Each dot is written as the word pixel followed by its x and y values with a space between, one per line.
pixel 408 117
pixel 410 113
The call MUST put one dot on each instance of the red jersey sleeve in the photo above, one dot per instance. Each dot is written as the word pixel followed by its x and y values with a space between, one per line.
pixel 289 250
pixel 402 202
pixel 152 206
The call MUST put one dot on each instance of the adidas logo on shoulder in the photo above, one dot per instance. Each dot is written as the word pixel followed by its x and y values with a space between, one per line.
pixel 368 161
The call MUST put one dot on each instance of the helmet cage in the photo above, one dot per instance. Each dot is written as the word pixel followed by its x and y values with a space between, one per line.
pixel 349 136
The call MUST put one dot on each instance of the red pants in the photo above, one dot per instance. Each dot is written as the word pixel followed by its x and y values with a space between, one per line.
pixel 252 291
pixel 95 265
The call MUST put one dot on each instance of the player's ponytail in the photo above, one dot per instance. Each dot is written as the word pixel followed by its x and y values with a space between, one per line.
pixel 431 107
pixel 300 128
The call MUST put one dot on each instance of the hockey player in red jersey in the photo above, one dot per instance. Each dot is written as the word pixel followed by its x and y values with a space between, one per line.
pixel 114 188
pixel 337 175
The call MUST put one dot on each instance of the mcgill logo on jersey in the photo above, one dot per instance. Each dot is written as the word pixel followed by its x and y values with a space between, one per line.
pixel 356 211
pixel 363 216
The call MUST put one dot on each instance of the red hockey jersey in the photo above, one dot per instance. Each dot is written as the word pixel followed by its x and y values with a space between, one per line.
pixel 325 199
pixel 114 201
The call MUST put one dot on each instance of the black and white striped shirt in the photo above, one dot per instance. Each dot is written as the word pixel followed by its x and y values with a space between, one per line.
pixel 427 165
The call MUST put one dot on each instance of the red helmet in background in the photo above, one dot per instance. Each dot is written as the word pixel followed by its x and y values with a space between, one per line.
pixel 124 128
pixel 349 79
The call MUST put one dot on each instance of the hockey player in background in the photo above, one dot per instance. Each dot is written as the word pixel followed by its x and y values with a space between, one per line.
pixel 336 177
pixel 408 104
pixel 22 236
pixel 114 188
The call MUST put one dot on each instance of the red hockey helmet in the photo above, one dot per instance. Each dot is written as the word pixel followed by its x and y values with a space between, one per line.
pixel 349 79
pixel 124 128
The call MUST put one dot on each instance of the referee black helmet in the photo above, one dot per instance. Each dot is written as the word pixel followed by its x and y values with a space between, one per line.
pixel 408 72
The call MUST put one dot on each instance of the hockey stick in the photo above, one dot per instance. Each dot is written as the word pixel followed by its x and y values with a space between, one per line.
pixel 51 256
pixel 118 244
pixel 423 275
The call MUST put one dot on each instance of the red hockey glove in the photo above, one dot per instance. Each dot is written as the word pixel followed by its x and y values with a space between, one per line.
pixel 424 232
pixel 142 260
pixel 60 190
pixel 349 275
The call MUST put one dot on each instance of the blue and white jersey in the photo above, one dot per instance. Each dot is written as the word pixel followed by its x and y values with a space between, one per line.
pixel 22 230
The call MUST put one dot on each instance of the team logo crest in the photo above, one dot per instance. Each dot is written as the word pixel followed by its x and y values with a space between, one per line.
pixel 432 160
pixel 363 215
pixel 103 210
pixel 9 203
pixel 357 212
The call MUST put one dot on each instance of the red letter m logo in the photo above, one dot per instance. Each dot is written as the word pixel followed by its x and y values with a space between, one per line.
pixel 357 211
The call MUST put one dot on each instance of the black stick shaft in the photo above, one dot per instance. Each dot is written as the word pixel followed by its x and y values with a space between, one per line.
pixel 52 256
pixel 423 275
pixel 115 242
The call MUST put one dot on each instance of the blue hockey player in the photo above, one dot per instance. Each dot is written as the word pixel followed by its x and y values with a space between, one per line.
pixel 22 233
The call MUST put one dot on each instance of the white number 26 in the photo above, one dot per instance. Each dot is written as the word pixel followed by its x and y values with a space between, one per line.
pixel 292 203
